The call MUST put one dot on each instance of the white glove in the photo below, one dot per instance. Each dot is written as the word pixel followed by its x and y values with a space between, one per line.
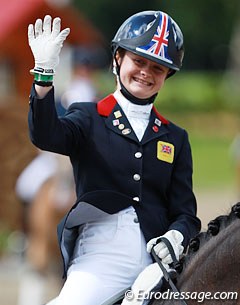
pixel 145 282
pixel 161 250
pixel 46 41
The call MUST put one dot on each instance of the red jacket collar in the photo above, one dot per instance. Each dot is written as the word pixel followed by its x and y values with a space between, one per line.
pixel 106 105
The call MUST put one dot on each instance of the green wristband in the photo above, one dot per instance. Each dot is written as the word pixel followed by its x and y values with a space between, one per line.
pixel 43 78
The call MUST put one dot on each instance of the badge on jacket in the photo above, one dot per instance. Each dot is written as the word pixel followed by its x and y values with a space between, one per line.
pixel 165 151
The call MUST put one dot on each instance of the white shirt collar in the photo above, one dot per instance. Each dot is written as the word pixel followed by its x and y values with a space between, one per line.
pixel 132 110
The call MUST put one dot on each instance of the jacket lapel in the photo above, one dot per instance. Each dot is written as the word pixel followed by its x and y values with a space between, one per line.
pixel 118 122
pixel 116 119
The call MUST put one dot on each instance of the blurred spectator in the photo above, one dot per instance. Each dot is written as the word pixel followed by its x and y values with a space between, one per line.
pixel 81 87
pixel 42 167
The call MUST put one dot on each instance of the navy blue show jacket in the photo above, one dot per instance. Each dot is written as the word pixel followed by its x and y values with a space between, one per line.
pixel 114 170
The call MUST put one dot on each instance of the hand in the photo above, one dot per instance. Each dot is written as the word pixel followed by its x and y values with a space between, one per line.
pixel 46 40
pixel 161 250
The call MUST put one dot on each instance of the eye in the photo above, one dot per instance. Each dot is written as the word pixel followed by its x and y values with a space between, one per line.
pixel 158 69
pixel 138 61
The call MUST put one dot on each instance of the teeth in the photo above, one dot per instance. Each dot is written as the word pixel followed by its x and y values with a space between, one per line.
pixel 142 82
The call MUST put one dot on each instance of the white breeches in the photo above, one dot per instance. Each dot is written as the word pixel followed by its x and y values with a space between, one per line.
pixel 108 256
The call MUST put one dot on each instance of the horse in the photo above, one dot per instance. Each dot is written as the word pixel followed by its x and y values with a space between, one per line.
pixel 210 271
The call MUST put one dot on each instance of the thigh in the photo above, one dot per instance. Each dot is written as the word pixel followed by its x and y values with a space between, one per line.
pixel 83 288
pixel 108 257
pixel 116 254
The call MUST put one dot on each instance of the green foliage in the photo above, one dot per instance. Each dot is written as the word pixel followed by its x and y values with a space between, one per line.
pixel 191 91
pixel 211 161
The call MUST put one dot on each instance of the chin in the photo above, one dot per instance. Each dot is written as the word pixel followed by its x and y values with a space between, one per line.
pixel 142 96
pixel 139 94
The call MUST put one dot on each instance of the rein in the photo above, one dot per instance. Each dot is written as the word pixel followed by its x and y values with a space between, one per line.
pixel 165 273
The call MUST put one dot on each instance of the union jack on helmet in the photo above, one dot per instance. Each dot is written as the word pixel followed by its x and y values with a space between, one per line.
pixel 153 35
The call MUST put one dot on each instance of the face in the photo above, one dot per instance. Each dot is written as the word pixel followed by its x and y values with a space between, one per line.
pixel 141 77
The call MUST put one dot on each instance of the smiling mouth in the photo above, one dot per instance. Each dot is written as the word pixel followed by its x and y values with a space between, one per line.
pixel 141 81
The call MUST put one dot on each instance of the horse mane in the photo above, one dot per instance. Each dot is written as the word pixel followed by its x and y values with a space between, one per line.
pixel 202 239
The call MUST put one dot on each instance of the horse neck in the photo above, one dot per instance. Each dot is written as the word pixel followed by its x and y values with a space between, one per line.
pixel 216 265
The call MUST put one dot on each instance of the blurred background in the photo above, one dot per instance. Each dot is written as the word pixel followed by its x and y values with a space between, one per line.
pixel 204 98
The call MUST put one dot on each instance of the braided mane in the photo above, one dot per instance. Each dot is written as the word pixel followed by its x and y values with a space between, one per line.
pixel 215 226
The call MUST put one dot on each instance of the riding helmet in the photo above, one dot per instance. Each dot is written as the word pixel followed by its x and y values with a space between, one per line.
pixel 153 35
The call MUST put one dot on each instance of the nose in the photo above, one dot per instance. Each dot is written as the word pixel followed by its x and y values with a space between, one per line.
pixel 145 70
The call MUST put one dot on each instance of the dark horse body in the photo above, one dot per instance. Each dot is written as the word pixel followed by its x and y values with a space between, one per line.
pixel 212 265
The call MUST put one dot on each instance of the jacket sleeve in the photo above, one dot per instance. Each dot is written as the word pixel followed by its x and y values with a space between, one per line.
pixel 49 132
pixel 183 207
